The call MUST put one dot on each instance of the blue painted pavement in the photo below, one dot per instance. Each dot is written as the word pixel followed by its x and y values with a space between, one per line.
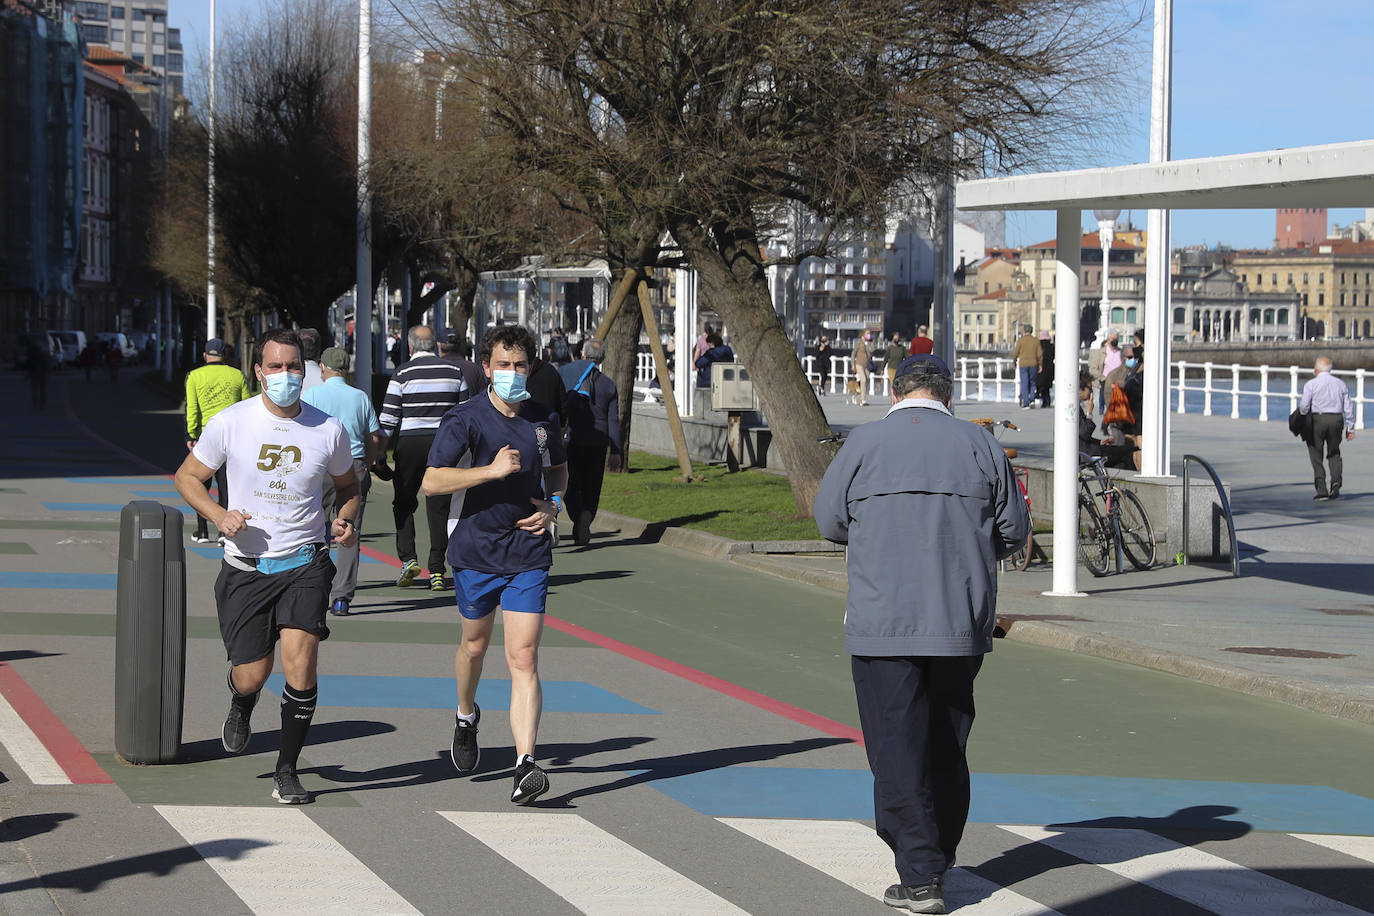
pixel 1003 798
pixel 101 507
pixel 86 581
pixel 439 693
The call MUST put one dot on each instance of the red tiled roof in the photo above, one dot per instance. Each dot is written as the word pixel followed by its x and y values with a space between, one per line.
pixel 1090 240
pixel 995 294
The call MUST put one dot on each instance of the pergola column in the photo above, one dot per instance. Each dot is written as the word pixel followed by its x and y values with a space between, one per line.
pixel 1068 255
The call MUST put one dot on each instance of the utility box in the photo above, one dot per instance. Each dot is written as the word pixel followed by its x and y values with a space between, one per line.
pixel 150 633
pixel 731 388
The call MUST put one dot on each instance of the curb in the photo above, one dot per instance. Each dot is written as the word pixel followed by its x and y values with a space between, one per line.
pixel 1290 691
pixel 1286 690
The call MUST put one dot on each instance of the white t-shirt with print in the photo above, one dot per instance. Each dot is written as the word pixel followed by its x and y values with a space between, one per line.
pixel 276 467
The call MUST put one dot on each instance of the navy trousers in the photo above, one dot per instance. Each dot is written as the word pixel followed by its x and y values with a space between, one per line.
pixel 916 714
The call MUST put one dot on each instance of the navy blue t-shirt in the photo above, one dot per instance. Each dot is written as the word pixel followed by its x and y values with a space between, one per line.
pixel 486 538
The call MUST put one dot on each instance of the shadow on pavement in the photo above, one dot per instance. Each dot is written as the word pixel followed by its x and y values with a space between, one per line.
pixel 651 769
pixel 27 825
pixel 262 742
pixel 90 877
pixel 17 654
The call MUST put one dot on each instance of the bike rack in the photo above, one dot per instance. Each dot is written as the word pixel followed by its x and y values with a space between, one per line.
pixel 1225 505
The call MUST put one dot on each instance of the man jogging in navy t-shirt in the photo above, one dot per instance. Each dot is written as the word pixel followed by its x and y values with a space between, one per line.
pixel 504 455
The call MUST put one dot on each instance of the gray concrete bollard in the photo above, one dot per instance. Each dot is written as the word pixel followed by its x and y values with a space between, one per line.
pixel 150 633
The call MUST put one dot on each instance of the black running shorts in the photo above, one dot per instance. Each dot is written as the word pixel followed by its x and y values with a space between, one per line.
pixel 253 606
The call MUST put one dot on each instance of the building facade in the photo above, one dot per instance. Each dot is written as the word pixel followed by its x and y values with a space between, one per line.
pixel 1299 227
pixel 138 29
pixel 1332 282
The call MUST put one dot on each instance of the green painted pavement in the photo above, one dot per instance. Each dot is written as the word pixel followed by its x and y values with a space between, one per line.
pixel 245 780
pixel 57 525
pixel 16 547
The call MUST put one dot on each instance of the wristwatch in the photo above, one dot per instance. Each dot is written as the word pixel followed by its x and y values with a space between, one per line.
pixel 557 503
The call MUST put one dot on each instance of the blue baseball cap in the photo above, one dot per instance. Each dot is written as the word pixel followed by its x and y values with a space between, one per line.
pixel 924 362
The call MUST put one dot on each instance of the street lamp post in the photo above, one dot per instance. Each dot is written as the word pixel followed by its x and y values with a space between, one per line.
pixel 1106 234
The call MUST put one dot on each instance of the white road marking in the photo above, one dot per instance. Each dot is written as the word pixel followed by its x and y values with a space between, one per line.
pixel 853 854
pixel 1190 874
pixel 280 861
pixel 1358 847
pixel 588 867
pixel 29 752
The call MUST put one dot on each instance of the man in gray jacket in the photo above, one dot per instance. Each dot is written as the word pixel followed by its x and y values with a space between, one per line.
pixel 927 505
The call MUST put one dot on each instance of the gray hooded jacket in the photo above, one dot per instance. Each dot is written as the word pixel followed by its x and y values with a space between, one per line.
pixel 927 505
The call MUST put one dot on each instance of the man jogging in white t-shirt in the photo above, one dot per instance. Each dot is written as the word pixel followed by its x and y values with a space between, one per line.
pixel 275 579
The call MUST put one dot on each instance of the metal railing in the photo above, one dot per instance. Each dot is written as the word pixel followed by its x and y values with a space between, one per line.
pixel 1225 507
pixel 1210 389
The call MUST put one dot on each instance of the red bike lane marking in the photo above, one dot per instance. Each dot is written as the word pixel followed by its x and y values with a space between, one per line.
pixel 71 755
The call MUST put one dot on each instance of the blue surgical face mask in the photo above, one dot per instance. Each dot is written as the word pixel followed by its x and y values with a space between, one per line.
pixel 1132 363
pixel 509 385
pixel 283 388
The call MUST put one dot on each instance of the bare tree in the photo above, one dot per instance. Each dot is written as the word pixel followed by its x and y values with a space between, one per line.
pixel 285 158
pixel 706 118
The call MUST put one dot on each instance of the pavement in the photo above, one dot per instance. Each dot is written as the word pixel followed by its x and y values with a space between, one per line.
pixel 699 730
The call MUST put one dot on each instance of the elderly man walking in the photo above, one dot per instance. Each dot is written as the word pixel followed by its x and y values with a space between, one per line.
pixel 927 505
pixel 353 409
pixel 1027 357
pixel 1327 399
pixel 422 389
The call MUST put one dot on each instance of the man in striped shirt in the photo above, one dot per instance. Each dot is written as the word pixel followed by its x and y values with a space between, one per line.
pixel 420 392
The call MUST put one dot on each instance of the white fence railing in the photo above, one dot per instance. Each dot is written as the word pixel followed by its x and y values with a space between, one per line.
pixel 1209 389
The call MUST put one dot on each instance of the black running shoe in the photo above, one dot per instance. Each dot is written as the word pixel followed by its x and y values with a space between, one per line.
pixel 287 788
pixel 464 750
pixel 237 728
pixel 920 898
pixel 530 782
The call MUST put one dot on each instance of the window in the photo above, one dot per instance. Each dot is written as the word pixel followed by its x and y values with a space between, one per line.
pixel 1283 316
pixel 94 34
pixel 137 58
pixel 138 37
pixel 116 12
pixel 92 10
pixel 1290 279
pixel 967 321
pixel 1304 279
pixel 174 61
pixel 157 39
pixel 1321 299
pixel 138 15
pixel 1259 280
pixel 159 60
pixel 1342 298
pixel 1179 316
pixel 1342 278
pixel 1273 279
pixel 1321 278
pixel 116 34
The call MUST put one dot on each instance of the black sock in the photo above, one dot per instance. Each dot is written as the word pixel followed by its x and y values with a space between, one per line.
pixel 245 701
pixel 297 709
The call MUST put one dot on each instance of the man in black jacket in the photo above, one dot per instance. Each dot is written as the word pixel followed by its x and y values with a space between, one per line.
pixel 594 427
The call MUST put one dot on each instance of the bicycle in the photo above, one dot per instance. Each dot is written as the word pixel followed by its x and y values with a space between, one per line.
pixel 1021 559
pixel 1111 521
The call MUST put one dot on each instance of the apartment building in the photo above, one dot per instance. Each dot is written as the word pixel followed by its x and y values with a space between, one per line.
pixel 1332 282
pixel 137 28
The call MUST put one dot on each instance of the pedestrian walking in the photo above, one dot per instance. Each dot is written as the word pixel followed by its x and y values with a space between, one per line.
pixel 893 359
pixel 1327 399
pixel 502 455
pixel 927 504
pixel 274 581
pixel 353 409
pixel 1105 360
pixel 1027 356
pixel 1044 379
pixel 421 390
pixel 823 354
pixel 38 366
pixel 593 429
pixel 310 344
pixel 863 364
pixel 922 343
pixel 210 389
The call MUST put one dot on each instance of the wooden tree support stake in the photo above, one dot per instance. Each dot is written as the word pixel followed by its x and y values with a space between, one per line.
pixel 664 382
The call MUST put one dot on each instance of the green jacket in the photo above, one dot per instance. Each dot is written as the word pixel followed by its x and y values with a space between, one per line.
pixel 210 389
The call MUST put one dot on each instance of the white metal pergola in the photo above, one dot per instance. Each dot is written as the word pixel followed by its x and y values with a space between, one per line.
pixel 1334 175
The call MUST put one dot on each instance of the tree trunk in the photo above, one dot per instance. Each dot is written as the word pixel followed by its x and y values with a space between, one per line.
pixel 733 281
pixel 622 355
pixel 460 307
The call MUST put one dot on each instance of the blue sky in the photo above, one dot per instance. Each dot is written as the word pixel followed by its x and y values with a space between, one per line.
pixel 1248 75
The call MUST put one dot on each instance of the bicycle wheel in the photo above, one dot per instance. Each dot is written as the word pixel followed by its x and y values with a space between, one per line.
pixel 1094 539
pixel 1137 535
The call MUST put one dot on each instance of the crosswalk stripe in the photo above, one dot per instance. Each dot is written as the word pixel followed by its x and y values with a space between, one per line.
pixel 1198 877
pixel 853 854
pixel 1358 847
pixel 280 861
pixel 588 867
pixel 23 745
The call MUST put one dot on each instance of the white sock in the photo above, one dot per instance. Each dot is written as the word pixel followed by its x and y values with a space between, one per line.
pixel 470 718
pixel 524 758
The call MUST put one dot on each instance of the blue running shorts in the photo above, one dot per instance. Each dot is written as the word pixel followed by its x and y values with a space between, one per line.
pixel 480 593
